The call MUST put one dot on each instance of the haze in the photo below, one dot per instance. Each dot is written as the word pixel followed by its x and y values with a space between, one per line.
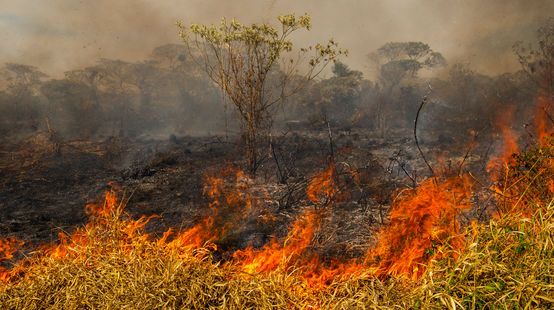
pixel 60 35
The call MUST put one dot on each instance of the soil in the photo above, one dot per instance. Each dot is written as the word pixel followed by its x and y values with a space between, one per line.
pixel 46 183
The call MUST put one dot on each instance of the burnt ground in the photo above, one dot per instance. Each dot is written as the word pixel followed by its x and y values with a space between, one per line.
pixel 45 185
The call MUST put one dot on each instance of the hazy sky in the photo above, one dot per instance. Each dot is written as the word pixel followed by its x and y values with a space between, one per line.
pixel 58 35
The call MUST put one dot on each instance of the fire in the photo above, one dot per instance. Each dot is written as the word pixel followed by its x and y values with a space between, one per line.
pixel 8 247
pixel 321 186
pixel 295 252
pixel 296 249
pixel 108 205
pixel 511 187
pixel 275 254
pixel 543 119
pixel 421 221
pixel 423 225
pixel 509 144
pixel 324 188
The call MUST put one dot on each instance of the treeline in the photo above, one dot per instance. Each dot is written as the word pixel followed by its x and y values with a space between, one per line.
pixel 168 94
pixel 112 98
pixel 460 99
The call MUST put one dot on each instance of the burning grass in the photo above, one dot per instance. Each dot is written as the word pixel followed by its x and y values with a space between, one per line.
pixel 423 259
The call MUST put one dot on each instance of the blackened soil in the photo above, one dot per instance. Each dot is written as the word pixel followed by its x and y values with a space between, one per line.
pixel 44 188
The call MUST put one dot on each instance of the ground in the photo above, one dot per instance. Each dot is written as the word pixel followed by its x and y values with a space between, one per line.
pixel 46 185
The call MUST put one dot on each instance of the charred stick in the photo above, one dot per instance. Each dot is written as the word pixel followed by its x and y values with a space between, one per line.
pixel 415 136
pixel 281 174
pixel 330 142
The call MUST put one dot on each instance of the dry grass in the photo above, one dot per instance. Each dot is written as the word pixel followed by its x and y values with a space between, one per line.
pixel 507 264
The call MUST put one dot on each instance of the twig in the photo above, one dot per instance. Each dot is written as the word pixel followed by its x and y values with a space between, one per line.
pixel 330 142
pixel 282 177
pixel 415 136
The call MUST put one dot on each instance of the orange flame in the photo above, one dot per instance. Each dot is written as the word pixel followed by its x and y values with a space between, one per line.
pixel 509 145
pixel 273 255
pixel 295 251
pixel 421 221
pixel 106 206
pixel 8 247
pixel 542 121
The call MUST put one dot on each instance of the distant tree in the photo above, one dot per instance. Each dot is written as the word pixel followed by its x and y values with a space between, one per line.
pixel 462 86
pixel 75 109
pixel 114 85
pixel 22 79
pixel 334 98
pixel 240 59
pixel 395 62
pixel 538 61
pixel 398 60
pixel 22 87
pixel 172 56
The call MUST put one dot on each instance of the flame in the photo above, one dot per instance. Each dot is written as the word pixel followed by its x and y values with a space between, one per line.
pixel 421 221
pixel 105 207
pixel 323 187
pixel 296 249
pixel 509 144
pixel 8 247
pixel 275 254
pixel 296 252
pixel 542 119
pixel 511 186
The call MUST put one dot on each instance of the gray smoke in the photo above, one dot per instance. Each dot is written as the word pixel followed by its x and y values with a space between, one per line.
pixel 59 35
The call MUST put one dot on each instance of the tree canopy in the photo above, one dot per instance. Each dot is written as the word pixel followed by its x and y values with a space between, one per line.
pixel 397 60
pixel 241 59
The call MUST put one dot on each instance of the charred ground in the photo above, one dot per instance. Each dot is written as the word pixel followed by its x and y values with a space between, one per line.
pixel 45 188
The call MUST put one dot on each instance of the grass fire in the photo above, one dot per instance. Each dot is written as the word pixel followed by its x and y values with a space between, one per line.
pixel 260 163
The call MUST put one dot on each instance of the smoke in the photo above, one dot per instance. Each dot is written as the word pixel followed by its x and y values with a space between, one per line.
pixel 59 35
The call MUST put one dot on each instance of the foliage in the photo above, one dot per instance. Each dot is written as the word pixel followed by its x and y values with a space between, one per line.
pixel 333 99
pixel 240 59
pixel 398 60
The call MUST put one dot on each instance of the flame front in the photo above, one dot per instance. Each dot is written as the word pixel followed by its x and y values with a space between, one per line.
pixel 422 220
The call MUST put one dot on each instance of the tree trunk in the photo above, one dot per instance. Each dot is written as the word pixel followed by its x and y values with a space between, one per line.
pixel 251 145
